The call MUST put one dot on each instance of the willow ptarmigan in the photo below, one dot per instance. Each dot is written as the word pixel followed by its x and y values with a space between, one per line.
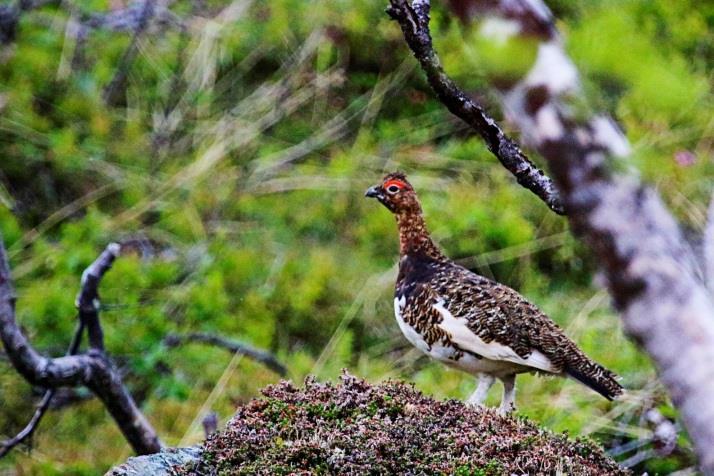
pixel 470 322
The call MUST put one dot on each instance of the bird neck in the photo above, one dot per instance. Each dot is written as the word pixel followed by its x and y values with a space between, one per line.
pixel 414 239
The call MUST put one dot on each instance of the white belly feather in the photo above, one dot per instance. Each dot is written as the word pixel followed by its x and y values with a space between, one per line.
pixel 409 332
pixel 497 358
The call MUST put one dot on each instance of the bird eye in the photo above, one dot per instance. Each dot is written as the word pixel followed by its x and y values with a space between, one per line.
pixel 392 189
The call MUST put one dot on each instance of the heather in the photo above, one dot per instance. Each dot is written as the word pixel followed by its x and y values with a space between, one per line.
pixel 357 428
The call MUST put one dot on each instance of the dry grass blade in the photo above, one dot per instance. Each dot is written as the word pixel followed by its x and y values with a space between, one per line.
pixel 194 433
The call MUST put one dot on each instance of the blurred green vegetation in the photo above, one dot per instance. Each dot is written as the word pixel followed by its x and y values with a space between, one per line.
pixel 240 155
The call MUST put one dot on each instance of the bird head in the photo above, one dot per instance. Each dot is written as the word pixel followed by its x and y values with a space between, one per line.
pixel 395 193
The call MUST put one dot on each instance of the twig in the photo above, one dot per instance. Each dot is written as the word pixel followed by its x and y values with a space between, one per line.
pixel 29 429
pixel 265 358
pixel 24 434
pixel 414 21
pixel 87 301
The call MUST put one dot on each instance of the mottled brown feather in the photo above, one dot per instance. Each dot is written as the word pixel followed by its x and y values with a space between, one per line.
pixel 497 313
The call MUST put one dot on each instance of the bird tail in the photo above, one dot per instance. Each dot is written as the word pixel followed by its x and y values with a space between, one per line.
pixel 595 376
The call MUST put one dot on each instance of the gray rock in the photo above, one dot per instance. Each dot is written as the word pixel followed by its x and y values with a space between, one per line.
pixel 158 464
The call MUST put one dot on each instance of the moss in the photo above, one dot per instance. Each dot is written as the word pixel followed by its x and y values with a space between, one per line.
pixel 492 468
pixel 356 428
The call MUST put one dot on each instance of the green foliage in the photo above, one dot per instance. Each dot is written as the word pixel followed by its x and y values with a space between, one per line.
pixel 240 157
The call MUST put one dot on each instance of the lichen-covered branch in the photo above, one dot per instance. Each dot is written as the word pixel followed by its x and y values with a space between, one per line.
pixel 265 358
pixel 414 21
pixel 92 369
pixel 651 271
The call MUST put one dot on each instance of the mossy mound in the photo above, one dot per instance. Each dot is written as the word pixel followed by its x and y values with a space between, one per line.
pixel 358 428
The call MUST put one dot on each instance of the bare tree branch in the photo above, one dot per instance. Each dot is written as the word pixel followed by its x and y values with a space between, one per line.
pixel 265 358
pixel 414 21
pixel 650 268
pixel 117 86
pixel 93 369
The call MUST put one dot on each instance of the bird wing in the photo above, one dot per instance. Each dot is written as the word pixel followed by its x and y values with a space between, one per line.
pixel 494 321
pixel 466 339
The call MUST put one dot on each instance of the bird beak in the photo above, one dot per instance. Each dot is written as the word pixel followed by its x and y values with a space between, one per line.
pixel 373 192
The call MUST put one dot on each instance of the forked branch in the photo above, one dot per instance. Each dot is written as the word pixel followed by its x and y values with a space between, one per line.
pixel 92 369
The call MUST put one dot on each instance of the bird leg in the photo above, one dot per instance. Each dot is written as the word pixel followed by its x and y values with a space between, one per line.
pixel 484 384
pixel 508 403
